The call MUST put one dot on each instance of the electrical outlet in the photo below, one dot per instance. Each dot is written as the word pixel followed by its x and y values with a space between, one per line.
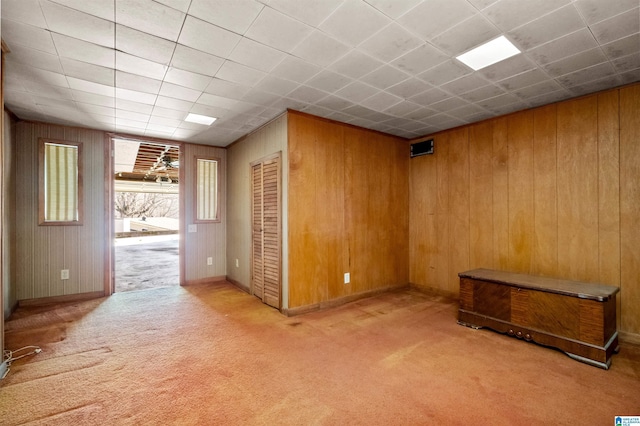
pixel 237 263
pixel 347 277
pixel 64 274
pixel 209 261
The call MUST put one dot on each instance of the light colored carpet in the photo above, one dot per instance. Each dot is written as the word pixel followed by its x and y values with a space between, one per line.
pixel 214 355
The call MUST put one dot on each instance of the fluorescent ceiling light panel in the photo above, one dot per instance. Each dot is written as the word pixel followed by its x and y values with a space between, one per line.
pixel 200 119
pixel 489 53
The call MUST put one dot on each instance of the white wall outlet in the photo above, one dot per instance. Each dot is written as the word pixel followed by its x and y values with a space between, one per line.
pixel 64 274
pixel 237 263
pixel 192 228
pixel 347 277
pixel 209 261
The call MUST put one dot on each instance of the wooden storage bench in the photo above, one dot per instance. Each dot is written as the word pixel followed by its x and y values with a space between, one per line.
pixel 576 317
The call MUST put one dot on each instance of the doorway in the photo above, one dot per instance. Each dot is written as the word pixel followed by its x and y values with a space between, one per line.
pixel 266 224
pixel 146 203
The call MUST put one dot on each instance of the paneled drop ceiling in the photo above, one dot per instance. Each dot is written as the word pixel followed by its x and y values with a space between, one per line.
pixel 140 66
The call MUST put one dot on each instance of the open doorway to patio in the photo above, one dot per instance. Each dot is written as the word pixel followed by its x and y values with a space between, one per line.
pixel 146 214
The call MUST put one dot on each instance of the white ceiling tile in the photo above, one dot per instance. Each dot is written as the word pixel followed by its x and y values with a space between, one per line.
pixel 168 113
pixel 508 68
pixel 596 86
pixel 28 73
pixel 172 103
pixel 449 104
pixel 312 12
pixel 549 27
pixel 390 42
pixel 307 94
pixel 320 49
pixel 538 89
pixel 50 91
pixel 194 60
pixel 342 25
pixel 443 73
pixel 141 108
pixel 88 86
pixel 278 86
pixel 573 63
pixel 150 17
pixel 227 89
pixel 334 103
pixel 466 35
pixel 93 98
pixel 259 97
pixel 598 10
pixel 144 45
pixel 509 14
pixel 402 108
pixel 136 96
pixel 420 59
pixel 393 9
pixel 559 48
pixel 240 74
pixel 277 30
pixel 498 101
pixel 485 92
pixel 236 15
pixel 37 59
pixel 159 130
pixel 627 63
pixel 295 69
pixel 430 18
pixel 217 101
pixel 587 75
pixel 527 78
pixel 80 25
pixel 129 81
pixel 181 5
pixel 179 92
pixel 630 76
pixel 381 101
pixel 355 64
pixel 408 88
pixel 26 35
pixel 465 84
pixel 123 123
pixel 617 27
pixel 256 55
pixel 84 51
pixel 24 11
pixel 328 81
pixel 132 115
pixel 188 79
pixel 357 91
pixel 86 71
pixel 385 76
pixel 97 109
pixel 199 34
pixel 136 65
pixel 482 4
pixel 623 47
pixel 101 9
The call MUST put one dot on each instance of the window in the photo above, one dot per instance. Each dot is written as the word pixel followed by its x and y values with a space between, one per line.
pixel 207 190
pixel 60 181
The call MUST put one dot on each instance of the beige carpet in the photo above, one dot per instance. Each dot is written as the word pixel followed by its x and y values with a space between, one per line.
pixel 215 355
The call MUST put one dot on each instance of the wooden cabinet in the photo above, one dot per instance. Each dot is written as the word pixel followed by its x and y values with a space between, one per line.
pixel 576 317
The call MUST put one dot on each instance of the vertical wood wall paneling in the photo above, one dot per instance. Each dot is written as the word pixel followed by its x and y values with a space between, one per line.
pixel 521 214
pixel 629 210
pixel 501 194
pixel 441 149
pixel 357 218
pixel 609 190
pixel 481 195
pixel 458 206
pixel 545 204
pixel 578 189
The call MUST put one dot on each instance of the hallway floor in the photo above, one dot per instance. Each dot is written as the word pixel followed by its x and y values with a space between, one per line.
pixel 147 262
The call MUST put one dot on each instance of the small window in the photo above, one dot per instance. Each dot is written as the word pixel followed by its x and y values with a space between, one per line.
pixel 60 192
pixel 207 190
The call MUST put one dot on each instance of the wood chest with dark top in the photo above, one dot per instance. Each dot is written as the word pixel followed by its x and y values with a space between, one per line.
pixel 576 317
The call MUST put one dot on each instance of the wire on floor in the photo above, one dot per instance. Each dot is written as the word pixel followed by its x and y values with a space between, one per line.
pixel 10 356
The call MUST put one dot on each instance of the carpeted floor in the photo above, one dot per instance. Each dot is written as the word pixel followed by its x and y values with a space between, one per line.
pixel 214 355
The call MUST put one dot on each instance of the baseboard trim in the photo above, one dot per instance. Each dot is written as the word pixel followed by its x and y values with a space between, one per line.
pixel 433 291
pixel 238 284
pixel 627 337
pixel 204 281
pixel 300 310
pixel 42 301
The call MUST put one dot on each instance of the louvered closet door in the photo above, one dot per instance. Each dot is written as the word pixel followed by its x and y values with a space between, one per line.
pixel 266 231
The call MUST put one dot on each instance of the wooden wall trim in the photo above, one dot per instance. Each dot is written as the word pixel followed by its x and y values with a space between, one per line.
pixel 205 281
pixel 43 301
pixel 238 284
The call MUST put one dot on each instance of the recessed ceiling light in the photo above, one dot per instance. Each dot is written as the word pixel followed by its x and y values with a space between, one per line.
pixel 489 53
pixel 200 119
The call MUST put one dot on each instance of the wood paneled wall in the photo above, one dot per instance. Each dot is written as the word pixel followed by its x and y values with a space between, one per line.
pixel 268 140
pixel 9 298
pixel 348 210
pixel 550 191
pixel 41 252
pixel 210 240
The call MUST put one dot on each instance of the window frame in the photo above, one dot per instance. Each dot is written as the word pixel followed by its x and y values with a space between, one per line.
pixel 196 198
pixel 42 221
